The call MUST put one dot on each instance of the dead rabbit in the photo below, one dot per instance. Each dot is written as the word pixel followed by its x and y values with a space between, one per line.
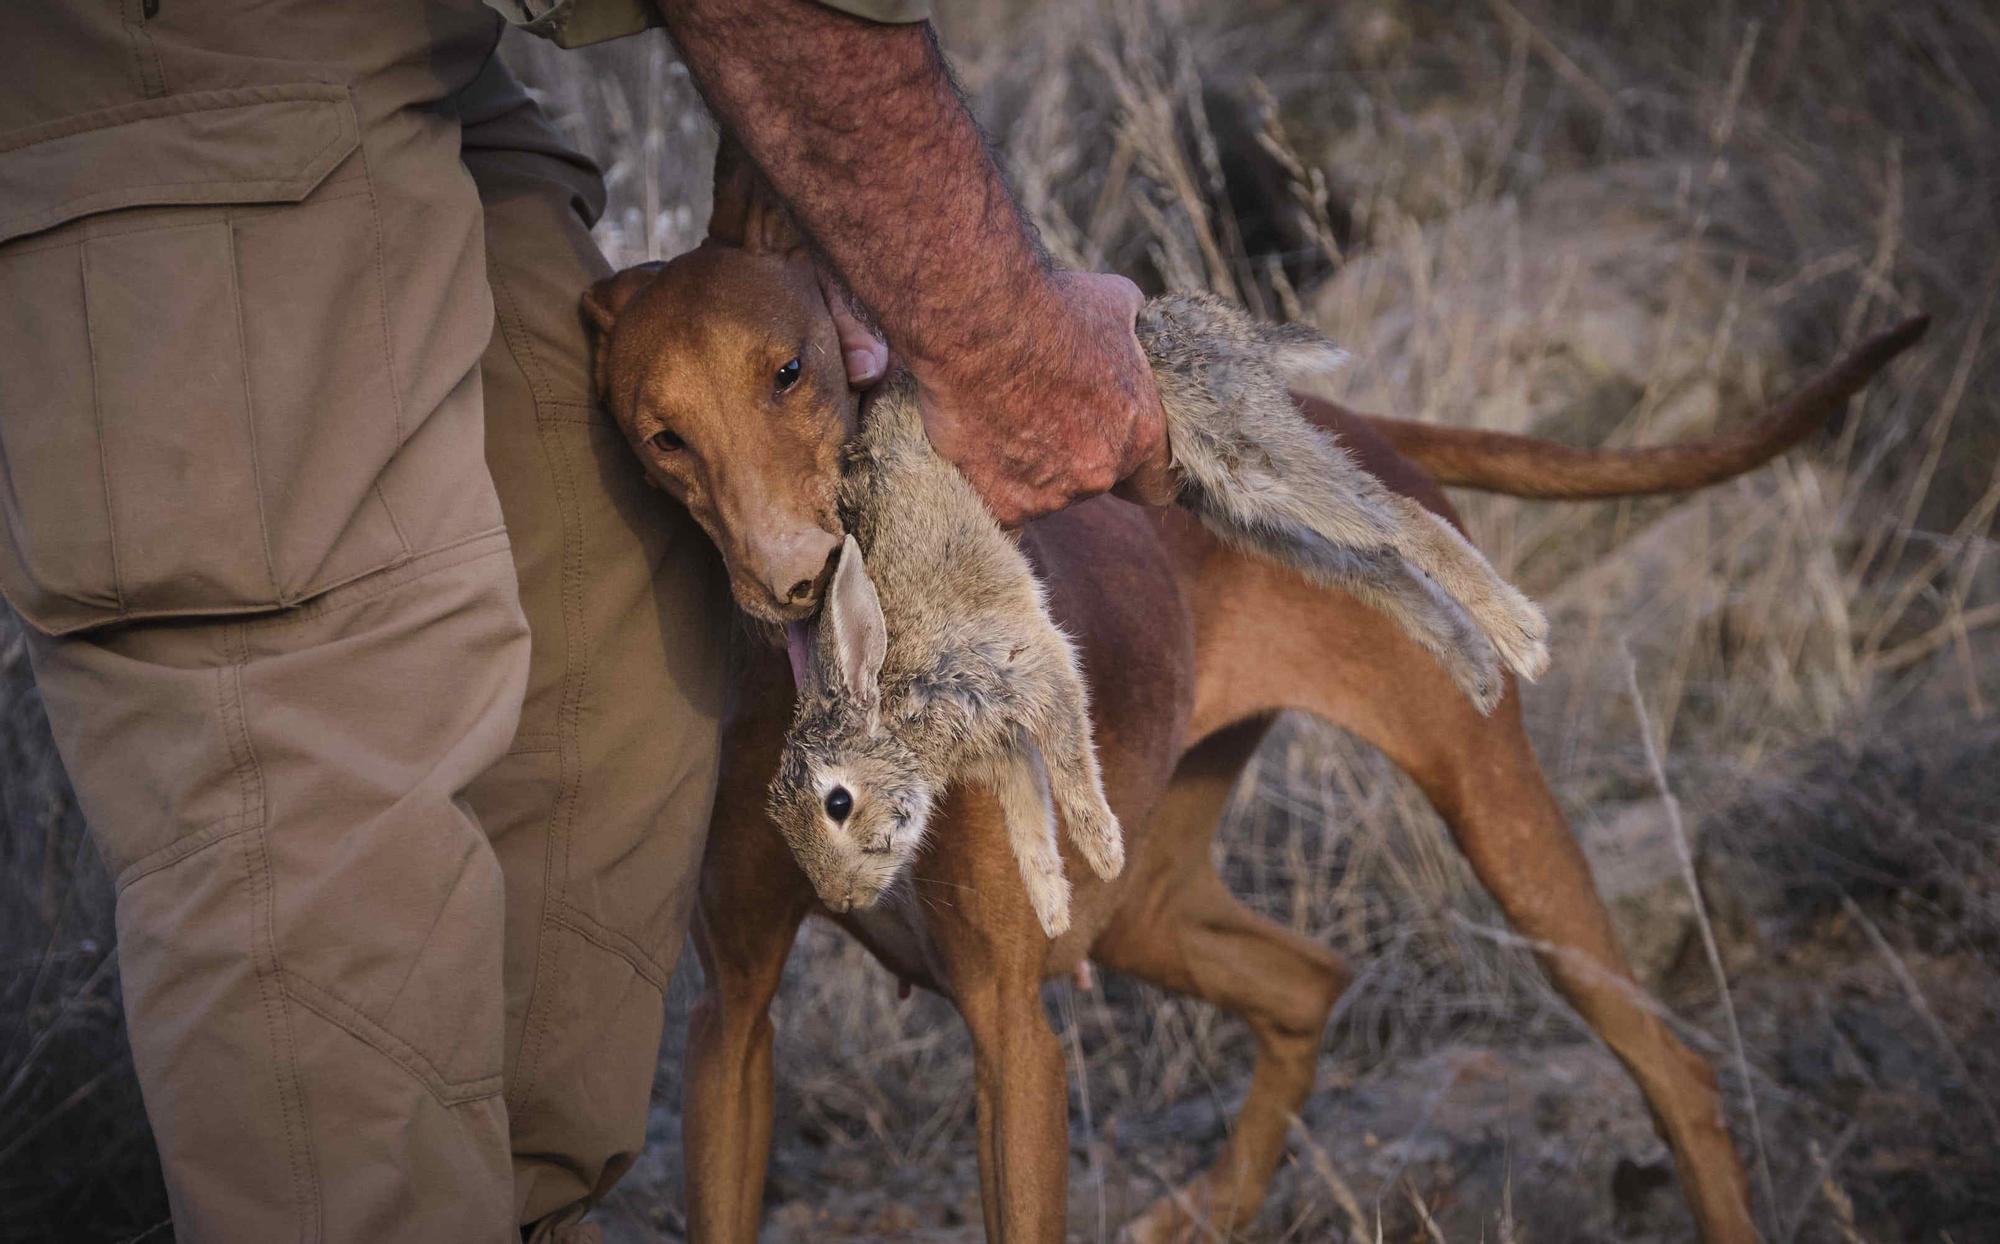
pixel 935 659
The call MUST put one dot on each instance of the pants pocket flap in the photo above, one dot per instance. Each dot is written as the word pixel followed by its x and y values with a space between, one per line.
pixel 266 144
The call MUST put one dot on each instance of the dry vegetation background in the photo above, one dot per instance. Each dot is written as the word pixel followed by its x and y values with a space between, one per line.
pixel 1605 222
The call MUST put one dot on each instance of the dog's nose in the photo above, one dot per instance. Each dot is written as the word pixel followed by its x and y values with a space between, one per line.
pixel 796 563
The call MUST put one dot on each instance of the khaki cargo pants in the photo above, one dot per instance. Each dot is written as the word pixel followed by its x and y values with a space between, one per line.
pixel 388 689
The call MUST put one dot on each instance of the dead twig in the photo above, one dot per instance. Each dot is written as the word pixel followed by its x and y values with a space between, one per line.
pixel 1685 853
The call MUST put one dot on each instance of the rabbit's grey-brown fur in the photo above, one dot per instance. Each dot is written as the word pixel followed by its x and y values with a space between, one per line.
pixel 936 660
pixel 1263 478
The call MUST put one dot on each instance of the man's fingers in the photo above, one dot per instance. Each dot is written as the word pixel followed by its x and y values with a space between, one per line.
pixel 1147 470
pixel 865 355
pixel 1151 484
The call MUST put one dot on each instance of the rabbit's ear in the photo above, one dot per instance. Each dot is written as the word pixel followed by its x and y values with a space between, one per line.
pixel 860 635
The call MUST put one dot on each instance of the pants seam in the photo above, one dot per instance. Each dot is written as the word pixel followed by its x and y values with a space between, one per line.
pixel 380 582
pixel 528 744
pixel 250 409
pixel 519 344
pixel 382 298
pixel 98 228
pixel 555 856
pixel 611 942
pixel 181 848
pixel 388 348
pixel 97 420
pixel 570 410
pixel 145 56
pixel 389 512
pixel 264 942
pixel 370 1031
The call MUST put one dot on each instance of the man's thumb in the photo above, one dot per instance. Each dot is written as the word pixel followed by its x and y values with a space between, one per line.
pixel 865 355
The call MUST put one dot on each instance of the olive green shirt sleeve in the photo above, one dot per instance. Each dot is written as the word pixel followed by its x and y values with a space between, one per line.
pixel 574 23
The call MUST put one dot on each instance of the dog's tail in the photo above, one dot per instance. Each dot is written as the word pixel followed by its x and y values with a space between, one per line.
pixel 1522 466
pixel 1264 479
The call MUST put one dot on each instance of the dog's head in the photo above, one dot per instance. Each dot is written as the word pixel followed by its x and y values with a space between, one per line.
pixel 724 370
pixel 851 799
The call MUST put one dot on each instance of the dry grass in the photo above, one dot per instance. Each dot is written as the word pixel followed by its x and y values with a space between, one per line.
pixel 1604 223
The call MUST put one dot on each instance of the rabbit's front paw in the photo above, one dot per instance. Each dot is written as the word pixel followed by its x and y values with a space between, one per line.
pixel 1098 837
pixel 1048 894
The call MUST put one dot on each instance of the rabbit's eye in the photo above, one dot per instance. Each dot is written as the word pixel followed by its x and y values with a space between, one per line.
pixel 839 803
pixel 788 375
pixel 667 441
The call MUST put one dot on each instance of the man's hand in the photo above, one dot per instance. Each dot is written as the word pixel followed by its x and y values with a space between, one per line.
pixel 1065 410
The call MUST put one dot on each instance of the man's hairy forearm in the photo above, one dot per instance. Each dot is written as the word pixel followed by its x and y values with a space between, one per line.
pixel 1030 381
pixel 860 131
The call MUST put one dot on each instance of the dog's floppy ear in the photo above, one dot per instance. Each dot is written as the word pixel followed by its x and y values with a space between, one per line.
pixel 747 212
pixel 859 634
pixel 604 301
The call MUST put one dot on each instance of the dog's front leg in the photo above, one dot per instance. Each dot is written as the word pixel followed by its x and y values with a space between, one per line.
pixel 993 952
pixel 726 1086
pixel 751 902
pixel 1022 1111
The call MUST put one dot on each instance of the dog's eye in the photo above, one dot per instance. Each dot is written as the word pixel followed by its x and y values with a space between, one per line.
pixel 667 441
pixel 788 375
pixel 839 803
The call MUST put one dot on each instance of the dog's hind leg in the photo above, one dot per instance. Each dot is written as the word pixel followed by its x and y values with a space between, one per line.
pixel 1481 775
pixel 1491 793
pixel 1356 668
pixel 1384 581
pixel 1440 627
pixel 1180 929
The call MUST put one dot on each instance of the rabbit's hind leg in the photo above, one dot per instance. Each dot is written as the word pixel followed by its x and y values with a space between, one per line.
pixel 1439 626
pixel 1518 629
pixel 1383 580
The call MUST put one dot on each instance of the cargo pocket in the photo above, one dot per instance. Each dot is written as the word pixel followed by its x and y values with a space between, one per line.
pixel 194 388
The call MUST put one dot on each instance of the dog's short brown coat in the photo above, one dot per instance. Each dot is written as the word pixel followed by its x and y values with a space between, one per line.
pixel 1192 649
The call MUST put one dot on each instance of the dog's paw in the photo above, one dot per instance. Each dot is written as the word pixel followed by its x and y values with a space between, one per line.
pixel 1169 1221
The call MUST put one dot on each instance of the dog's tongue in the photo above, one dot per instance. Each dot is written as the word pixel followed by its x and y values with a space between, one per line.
pixel 796 648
